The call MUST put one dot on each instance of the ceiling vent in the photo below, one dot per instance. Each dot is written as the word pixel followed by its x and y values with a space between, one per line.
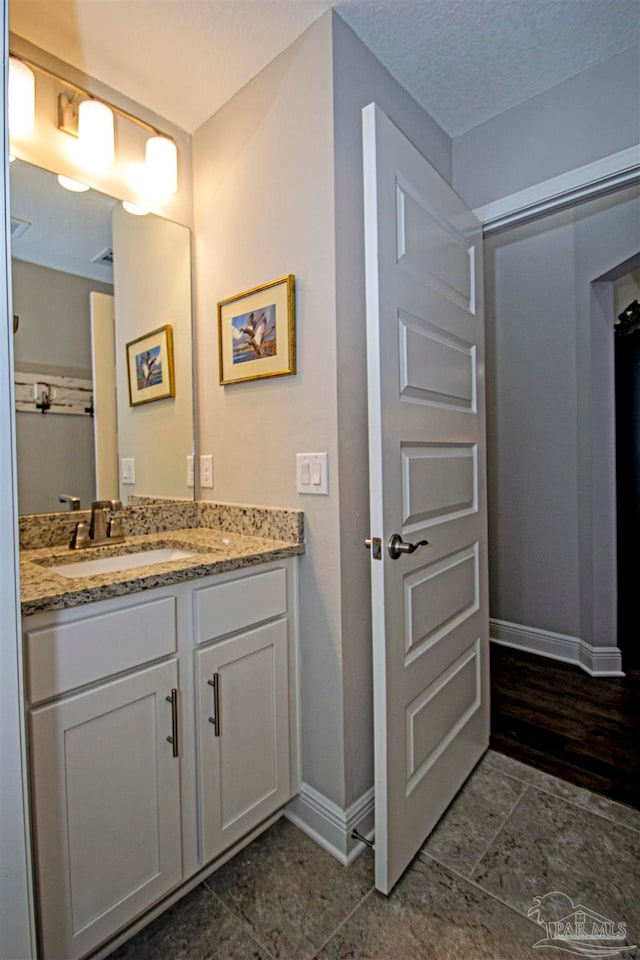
pixel 18 227
pixel 105 257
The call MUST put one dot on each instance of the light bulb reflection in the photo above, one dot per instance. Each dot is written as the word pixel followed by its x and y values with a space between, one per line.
pixel 76 186
pixel 136 209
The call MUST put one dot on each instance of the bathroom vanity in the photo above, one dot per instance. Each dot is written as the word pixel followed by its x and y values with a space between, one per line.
pixel 162 720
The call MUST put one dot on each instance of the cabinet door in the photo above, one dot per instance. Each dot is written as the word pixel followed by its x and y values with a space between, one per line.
pixel 106 796
pixel 244 758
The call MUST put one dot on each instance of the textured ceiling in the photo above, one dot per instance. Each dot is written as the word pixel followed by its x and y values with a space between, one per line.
pixel 468 60
pixel 463 60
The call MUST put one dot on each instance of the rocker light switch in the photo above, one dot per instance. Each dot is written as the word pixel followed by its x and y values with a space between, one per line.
pixel 312 473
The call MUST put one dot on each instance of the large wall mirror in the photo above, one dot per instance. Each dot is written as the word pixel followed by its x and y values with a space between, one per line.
pixel 91 285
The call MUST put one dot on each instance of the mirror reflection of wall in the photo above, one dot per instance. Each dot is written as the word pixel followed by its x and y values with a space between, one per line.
pixel 59 256
pixel 152 284
pixel 63 294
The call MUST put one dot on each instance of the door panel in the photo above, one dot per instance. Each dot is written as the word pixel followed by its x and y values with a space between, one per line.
pixel 425 343
pixel 440 482
pixel 435 367
pixel 431 248
pixel 438 599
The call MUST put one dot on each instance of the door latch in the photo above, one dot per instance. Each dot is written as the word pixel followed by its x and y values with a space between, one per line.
pixel 375 545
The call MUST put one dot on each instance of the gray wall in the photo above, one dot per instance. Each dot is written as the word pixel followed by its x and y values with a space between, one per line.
pixel 152 288
pixel 549 418
pixel 278 189
pixel 263 187
pixel 577 122
pixel 54 451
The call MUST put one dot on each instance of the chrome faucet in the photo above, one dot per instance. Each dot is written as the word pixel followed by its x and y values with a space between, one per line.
pixel 105 526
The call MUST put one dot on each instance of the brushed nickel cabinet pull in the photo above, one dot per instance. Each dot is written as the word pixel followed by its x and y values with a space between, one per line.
pixel 215 719
pixel 174 738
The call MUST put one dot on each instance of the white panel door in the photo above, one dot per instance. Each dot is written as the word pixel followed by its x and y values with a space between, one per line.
pixel 243 720
pixel 106 794
pixel 427 483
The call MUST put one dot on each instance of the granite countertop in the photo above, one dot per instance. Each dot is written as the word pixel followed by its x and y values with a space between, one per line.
pixel 216 551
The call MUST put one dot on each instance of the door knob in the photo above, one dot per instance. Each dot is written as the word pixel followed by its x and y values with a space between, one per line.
pixel 397 546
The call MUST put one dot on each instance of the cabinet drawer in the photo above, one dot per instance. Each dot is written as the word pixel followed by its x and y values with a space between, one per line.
pixel 66 656
pixel 227 607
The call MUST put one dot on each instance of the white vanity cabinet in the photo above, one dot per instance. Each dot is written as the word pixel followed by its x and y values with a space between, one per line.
pixel 242 684
pixel 135 791
pixel 105 781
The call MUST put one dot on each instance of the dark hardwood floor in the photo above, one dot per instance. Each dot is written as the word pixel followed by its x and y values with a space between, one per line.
pixel 557 718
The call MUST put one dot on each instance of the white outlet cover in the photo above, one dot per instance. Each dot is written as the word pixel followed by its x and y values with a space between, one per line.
pixel 206 470
pixel 128 470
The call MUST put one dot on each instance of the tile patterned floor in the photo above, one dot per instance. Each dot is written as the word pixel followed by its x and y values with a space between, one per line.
pixel 513 833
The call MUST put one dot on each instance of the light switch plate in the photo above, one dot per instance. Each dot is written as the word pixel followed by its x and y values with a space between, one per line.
pixel 312 473
pixel 190 478
pixel 128 469
pixel 206 470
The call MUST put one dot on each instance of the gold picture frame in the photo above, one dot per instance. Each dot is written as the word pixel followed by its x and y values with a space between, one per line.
pixel 257 332
pixel 150 366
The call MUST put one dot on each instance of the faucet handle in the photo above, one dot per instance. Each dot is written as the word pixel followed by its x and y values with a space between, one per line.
pixel 74 502
pixel 115 530
pixel 80 537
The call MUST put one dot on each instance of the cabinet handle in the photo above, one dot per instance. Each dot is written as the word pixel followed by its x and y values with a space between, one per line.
pixel 174 738
pixel 215 719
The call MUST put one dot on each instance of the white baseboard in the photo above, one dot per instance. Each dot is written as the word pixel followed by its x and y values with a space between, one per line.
pixel 596 661
pixel 331 826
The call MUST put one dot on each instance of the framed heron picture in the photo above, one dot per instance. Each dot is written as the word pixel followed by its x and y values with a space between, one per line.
pixel 150 367
pixel 256 332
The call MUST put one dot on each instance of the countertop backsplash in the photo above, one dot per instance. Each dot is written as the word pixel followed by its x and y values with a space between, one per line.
pixel 159 515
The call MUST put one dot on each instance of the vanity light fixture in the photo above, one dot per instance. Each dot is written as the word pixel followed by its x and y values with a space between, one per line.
pixel 96 141
pixel 22 98
pixel 161 166
pixel 76 186
pixel 92 121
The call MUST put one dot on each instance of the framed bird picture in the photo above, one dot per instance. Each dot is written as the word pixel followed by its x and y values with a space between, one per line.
pixel 150 367
pixel 257 332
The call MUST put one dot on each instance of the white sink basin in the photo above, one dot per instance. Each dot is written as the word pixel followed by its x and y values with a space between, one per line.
pixel 144 558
